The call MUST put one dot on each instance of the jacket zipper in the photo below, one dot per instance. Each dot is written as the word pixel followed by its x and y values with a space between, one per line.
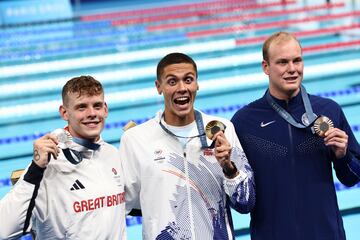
pixel 188 190
pixel 293 173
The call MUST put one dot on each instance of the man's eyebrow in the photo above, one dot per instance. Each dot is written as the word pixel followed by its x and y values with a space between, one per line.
pixel 190 73
pixel 169 75
pixel 172 75
pixel 80 105
pixel 282 59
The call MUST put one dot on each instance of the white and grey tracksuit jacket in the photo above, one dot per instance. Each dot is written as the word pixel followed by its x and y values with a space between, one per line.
pixel 83 201
pixel 182 191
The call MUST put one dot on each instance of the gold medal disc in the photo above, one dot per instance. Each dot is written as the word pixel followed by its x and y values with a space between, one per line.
pixel 214 127
pixel 321 125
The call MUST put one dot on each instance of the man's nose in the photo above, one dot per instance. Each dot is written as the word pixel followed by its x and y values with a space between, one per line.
pixel 182 86
pixel 91 111
pixel 291 67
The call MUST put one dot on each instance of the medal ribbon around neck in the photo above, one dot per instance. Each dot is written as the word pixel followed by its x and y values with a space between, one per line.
pixel 72 155
pixel 199 125
pixel 285 115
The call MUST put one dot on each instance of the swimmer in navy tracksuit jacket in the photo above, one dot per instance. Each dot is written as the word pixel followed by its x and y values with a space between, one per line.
pixel 296 197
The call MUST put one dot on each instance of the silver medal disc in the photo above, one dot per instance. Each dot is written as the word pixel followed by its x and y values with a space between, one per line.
pixel 62 136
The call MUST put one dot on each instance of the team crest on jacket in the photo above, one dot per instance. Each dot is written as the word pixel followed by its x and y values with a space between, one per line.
pixel 208 152
pixel 116 177
pixel 159 155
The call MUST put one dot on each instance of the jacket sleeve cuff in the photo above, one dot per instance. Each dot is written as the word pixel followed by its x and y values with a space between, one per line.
pixel 343 161
pixel 34 174
pixel 231 184
pixel 354 165
pixel 350 161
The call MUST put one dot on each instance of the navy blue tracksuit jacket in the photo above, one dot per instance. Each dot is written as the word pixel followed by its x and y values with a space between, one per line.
pixel 295 193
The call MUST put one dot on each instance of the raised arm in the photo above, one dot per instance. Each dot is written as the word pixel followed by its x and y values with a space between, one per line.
pixel 238 181
pixel 17 205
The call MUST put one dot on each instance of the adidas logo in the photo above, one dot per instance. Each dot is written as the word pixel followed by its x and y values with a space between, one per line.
pixel 77 185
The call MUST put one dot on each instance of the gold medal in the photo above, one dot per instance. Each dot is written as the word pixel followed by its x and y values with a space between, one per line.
pixel 214 127
pixel 321 125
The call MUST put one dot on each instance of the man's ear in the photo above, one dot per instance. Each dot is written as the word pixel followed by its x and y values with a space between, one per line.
pixel 265 67
pixel 158 86
pixel 63 112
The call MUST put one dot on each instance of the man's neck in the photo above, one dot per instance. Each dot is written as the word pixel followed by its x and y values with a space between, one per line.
pixel 285 96
pixel 179 121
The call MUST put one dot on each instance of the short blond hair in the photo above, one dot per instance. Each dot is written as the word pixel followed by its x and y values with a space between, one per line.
pixel 276 38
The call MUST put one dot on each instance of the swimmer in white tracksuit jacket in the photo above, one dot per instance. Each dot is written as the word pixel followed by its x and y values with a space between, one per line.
pixel 67 199
pixel 183 187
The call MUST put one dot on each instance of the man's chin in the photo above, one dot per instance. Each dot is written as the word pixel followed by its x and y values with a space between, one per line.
pixel 92 135
pixel 183 113
pixel 292 86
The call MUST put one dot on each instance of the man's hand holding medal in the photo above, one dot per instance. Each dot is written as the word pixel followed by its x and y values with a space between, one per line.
pixel 43 148
pixel 333 137
pixel 48 145
pixel 215 131
pixel 337 140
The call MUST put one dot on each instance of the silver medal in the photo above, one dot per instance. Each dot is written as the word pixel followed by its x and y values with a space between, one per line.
pixel 63 137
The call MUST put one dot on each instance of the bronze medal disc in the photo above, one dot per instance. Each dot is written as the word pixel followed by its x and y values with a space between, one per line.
pixel 321 125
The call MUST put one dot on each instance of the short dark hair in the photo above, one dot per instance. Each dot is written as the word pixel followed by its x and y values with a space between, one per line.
pixel 173 58
pixel 81 85
pixel 277 37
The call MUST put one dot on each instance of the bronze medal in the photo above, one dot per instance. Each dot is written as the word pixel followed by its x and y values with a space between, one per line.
pixel 321 125
pixel 214 127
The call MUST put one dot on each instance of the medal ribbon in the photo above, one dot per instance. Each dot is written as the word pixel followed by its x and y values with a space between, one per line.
pixel 285 115
pixel 74 156
pixel 200 128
